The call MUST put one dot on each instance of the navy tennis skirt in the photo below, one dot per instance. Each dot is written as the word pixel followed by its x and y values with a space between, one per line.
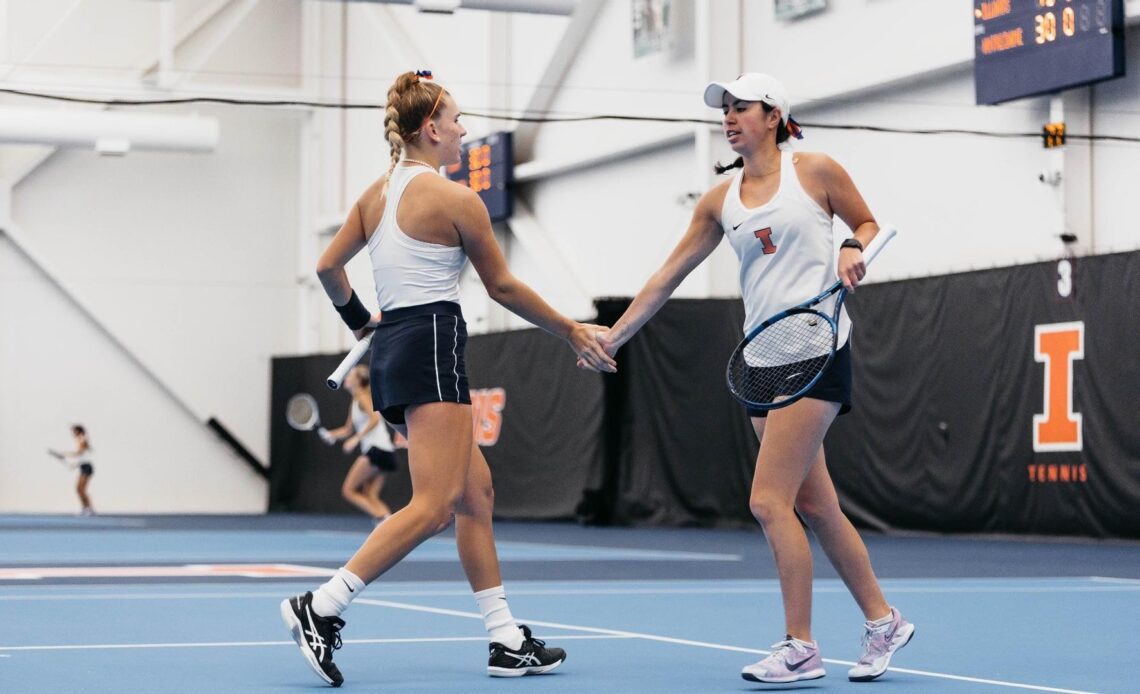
pixel 417 357
pixel 384 461
pixel 834 385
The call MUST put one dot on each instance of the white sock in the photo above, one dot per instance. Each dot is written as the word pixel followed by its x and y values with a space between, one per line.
pixel 498 619
pixel 333 597
pixel 873 623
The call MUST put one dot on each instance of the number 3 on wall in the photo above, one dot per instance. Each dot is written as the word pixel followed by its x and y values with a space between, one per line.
pixel 1065 279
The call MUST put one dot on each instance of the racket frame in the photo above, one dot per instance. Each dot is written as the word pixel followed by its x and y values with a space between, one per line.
pixel 314 421
pixel 805 307
pixel 886 233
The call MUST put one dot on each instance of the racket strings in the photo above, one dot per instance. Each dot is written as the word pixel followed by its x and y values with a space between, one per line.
pixel 783 359
pixel 300 412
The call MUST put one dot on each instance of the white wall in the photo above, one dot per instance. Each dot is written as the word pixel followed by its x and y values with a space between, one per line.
pixel 1116 165
pixel 58 367
pixel 193 269
pixel 220 247
pixel 179 272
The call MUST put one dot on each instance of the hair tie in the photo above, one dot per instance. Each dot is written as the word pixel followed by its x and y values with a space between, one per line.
pixel 794 129
pixel 425 74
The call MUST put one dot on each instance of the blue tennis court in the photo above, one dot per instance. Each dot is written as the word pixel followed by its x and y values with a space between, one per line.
pixel 128 604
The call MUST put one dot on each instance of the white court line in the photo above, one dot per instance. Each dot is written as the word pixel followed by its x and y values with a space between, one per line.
pixel 638 552
pixel 602 552
pixel 259 644
pixel 705 644
pixel 1110 579
pixel 520 590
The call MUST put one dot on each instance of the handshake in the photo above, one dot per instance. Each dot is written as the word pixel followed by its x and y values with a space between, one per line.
pixel 595 346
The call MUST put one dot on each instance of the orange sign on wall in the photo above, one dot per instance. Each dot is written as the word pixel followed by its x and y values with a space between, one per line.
pixel 1058 427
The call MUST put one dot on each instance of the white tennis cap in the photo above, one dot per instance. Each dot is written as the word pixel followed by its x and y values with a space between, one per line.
pixel 751 86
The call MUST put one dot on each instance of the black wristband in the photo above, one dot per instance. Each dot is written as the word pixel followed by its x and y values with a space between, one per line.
pixel 852 243
pixel 353 313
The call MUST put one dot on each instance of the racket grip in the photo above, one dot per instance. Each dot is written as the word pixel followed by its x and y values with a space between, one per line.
pixel 336 378
pixel 886 233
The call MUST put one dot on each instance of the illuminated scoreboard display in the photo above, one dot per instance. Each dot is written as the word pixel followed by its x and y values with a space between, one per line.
pixel 1029 47
pixel 486 166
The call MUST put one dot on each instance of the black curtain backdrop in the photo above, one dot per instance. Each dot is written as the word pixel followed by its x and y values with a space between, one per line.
pixel 551 422
pixel 947 387
pixel 305 474
pixel 940 437
pixel 542 414
pixel 683 449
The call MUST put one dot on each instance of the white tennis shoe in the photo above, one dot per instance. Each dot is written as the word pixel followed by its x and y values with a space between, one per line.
pixel 879 644
pixel 792 660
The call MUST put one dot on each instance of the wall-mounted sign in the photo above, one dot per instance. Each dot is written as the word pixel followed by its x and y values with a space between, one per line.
pixel 651 22
pixel 791 9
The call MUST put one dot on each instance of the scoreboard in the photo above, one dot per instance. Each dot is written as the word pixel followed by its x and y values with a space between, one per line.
pixel 486 166
pixel 1030 47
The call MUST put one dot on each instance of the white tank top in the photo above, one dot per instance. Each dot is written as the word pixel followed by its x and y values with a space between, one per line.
pixel 377 438
pixel 785 247
pixel 80 458
pixel 409 272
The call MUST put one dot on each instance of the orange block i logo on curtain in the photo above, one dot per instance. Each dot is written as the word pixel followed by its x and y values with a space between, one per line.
pixel 1058 345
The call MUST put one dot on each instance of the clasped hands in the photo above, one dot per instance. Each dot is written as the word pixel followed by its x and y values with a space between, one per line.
pixel 594 346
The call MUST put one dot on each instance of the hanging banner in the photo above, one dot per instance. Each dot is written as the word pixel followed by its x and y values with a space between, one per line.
pixel 997 401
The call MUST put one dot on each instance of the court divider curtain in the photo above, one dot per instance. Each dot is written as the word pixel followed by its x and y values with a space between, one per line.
pixel 305 474
pixel 536 417
pixel 683 449
pixel 549 424
pixel 955 426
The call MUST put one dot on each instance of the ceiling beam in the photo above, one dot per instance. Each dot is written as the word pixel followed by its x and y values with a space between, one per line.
pixel 560 61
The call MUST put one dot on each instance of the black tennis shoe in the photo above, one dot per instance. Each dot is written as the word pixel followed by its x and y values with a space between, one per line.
pixel 532 658
pixel 317 636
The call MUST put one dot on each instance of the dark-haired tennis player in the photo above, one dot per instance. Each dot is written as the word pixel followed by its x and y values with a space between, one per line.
pixel 80 459
pixel 777 213
pixel 419 230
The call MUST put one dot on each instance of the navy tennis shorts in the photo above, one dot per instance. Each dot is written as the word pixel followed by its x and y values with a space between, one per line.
pixel 384 461
pixel 417 357
pixel 834 385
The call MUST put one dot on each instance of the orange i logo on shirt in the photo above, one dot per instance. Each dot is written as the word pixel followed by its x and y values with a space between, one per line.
pixel 765 236
pixel 1058 345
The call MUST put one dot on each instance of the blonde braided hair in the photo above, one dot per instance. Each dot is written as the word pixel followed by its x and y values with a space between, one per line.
pixel 411 100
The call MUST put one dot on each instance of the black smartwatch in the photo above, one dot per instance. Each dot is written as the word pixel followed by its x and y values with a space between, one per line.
pixel 852 243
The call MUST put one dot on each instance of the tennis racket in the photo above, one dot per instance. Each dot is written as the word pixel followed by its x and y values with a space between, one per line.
pixel 62 459
pixel 780 361
pixel 303 414
pixel 336 378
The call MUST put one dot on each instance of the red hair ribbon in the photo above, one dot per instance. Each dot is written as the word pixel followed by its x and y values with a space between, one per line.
pixel 794 129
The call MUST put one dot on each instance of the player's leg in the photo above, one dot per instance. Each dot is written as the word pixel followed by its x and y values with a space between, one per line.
pixel 356 488
pixel 818 504
pixel 789 439
pixel 438 456
pixel 885 630
pixel 514 651
pixel 81 491
pixel 374 488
